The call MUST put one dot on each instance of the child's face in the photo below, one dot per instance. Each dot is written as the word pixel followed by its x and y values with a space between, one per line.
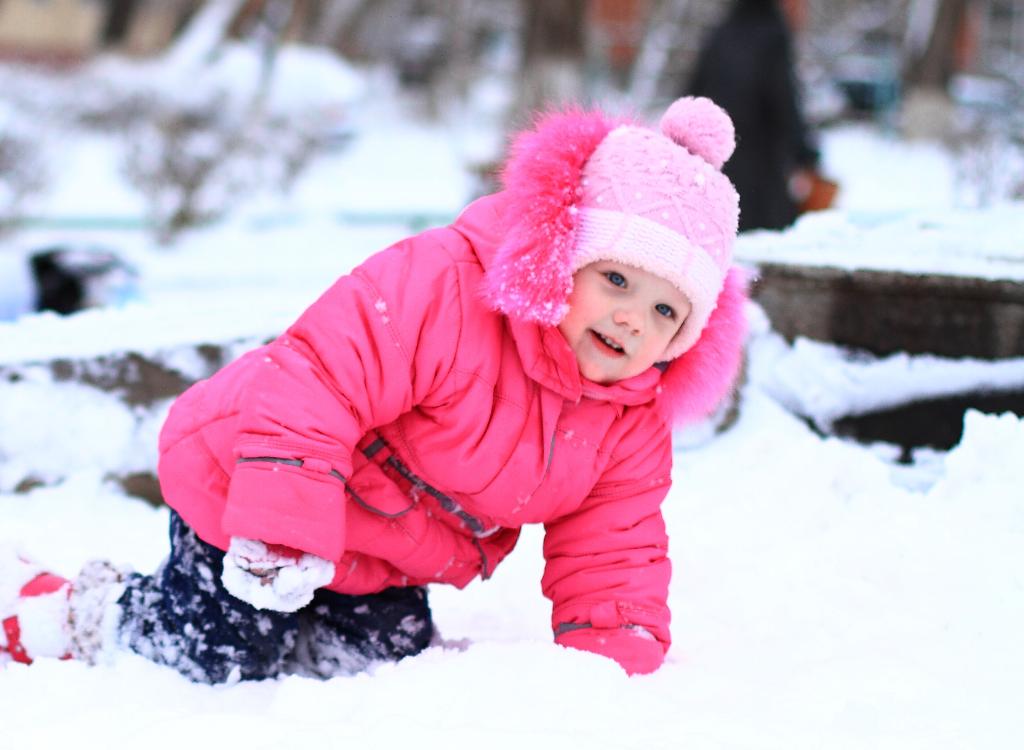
pixel 620 320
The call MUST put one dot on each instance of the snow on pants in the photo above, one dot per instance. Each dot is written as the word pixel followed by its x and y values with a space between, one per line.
pixel 182 616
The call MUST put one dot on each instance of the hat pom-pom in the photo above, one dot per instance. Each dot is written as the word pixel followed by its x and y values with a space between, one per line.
pixel 702 127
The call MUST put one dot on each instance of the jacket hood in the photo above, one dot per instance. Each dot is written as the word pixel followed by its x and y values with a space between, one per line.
pixel 525 238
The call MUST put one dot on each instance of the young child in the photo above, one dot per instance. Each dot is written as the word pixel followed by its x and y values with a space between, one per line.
pixel 523 365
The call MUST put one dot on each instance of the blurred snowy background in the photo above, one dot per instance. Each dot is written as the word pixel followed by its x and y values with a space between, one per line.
pixel 220 163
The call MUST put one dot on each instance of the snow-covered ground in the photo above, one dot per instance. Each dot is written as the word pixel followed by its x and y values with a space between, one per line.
pixel 816 604
pixel 822 596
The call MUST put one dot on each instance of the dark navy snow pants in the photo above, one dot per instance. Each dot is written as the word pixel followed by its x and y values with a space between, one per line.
pixel 182 616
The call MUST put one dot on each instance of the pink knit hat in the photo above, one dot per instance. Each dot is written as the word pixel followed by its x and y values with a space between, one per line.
pixel 585 187
pixel 658 201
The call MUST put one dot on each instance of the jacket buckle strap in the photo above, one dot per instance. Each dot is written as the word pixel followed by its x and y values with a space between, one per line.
pixel 380 453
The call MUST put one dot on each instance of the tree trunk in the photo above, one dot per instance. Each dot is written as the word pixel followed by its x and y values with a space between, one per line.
pixel 204 32
pixel 553 50
pixel 930 63
pixel 332 19
pixel 931 53
pixel 118 18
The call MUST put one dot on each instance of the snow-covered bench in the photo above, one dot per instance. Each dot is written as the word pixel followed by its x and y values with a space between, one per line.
pixel 897 324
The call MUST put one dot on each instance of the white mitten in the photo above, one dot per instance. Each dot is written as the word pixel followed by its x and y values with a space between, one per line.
pixel 272 576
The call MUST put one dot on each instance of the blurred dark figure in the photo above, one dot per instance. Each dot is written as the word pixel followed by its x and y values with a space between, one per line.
pixel 58 288
pixel 63 280
pixel 746 66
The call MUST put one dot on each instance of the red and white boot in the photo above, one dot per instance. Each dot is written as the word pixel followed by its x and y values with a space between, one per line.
pixel 44 615
pixel 33 611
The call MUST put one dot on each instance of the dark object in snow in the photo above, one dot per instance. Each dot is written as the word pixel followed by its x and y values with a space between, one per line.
pixel 57 288
pixel 183 617
pixel 935 423
pixel 138 380
pixel 869 81
pixel 142 381
pixel 140 484
pixel 68 280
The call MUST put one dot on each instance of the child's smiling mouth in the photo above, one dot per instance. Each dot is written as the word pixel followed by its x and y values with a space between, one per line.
pixel 607 344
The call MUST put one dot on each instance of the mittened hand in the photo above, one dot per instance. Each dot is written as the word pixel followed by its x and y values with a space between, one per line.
pixel 272 576
pixel 635 649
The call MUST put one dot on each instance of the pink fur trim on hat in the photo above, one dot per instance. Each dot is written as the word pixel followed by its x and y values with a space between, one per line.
pixel 531 276
pixel 696 383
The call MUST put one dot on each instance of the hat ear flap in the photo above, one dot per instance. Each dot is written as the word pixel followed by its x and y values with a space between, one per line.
pixel 697 381
pixel 531 277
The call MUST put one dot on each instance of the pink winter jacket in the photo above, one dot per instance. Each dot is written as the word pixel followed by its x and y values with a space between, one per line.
pixel 406 431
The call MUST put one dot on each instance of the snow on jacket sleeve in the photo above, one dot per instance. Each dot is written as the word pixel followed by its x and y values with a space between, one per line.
pixel 377 343
pixel 607 568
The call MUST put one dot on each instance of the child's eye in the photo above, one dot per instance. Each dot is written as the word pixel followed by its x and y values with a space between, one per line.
pixel 616 278
pixel 665 310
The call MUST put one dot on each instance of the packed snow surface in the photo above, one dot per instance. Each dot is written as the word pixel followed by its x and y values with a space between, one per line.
pixel 815 602
pixel 825 382
pixel 975 243
pixel 912 207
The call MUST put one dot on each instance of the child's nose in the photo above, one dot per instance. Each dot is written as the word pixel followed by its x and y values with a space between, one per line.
pixel 629 319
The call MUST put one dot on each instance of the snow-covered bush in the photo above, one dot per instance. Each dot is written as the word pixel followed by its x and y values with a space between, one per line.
pixel 178 161
pixel 203 134
pixel 196 130
pixel 21 170
pixel 194 164
pixel 990 166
